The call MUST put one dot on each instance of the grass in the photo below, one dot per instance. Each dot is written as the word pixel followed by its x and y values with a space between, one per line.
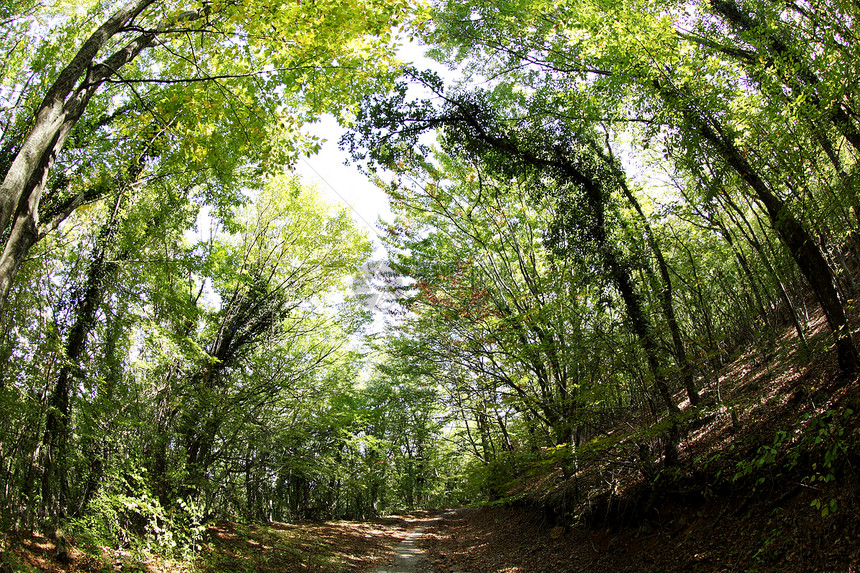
pixel 312 547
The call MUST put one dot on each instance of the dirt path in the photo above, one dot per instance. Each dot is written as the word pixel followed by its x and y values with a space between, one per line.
pixel 409 556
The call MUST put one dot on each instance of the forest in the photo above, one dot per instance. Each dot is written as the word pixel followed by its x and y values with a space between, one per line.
pixel 621 278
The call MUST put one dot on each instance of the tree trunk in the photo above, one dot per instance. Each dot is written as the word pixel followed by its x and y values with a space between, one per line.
pixel 792 233
pixel 56 438
pixel 63 105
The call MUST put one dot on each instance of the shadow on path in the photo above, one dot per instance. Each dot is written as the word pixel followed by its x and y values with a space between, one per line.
pixel 409 557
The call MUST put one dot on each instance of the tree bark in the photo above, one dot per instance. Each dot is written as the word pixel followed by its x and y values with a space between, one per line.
pixel 793 235
pixel 62 107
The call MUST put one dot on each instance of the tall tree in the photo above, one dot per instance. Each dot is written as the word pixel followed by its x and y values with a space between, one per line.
pixel 555 162
pixel 222 59
pixel 286 254
pixel 627 62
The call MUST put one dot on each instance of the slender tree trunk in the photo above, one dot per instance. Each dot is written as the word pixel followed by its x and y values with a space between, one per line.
pixel 794 236
pixel 56 439
pixel 751 278
pixel 554 159
pixel 666 300
pixel 737 216
pixel 847 185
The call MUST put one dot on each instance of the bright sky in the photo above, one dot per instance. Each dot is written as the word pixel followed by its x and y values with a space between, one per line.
pixel 345 185
pixel 341 184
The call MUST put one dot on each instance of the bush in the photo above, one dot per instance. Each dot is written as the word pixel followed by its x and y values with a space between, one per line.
pixel 126 514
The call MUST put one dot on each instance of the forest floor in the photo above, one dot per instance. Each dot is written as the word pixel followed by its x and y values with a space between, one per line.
pixel 304 546
pixel 228 547
pixel 711 537
pixel 768 480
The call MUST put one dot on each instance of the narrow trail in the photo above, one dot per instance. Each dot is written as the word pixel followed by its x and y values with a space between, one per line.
pixel 409 557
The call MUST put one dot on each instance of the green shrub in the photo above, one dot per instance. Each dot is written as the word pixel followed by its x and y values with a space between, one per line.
pixel 127 514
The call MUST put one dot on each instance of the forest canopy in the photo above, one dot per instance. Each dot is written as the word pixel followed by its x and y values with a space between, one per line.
pixel 597 208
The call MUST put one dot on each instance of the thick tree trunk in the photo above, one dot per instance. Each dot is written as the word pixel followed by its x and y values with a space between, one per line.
pixel 56 116
pixel 23 235
pixel 62 107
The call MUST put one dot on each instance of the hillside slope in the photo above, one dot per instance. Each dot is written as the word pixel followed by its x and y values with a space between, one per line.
pixel 767 481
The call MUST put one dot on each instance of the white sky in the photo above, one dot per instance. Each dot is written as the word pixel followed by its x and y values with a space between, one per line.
pixel 345 185
pixel 341 184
